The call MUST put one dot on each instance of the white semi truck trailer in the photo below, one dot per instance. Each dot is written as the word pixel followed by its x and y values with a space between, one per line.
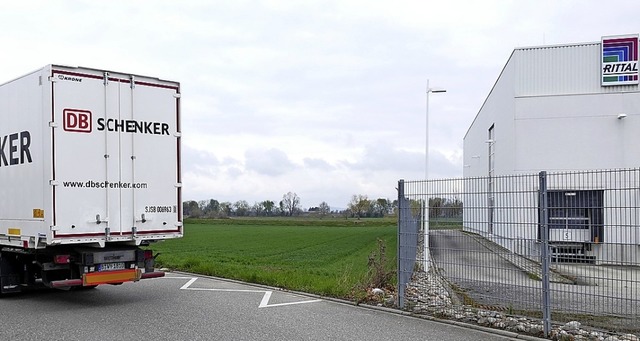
pixel 90 175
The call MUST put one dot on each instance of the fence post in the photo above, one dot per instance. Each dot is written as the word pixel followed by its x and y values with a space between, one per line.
pixel 401 285
pixel 425 228
pixel 545 254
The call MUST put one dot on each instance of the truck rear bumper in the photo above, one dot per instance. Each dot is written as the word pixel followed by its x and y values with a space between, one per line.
pixel 114 277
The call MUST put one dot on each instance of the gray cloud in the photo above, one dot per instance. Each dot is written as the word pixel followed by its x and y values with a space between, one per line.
pixel 271 162
pixel 318 164
pixel 324 98
pixel 384 157
pixel 192 156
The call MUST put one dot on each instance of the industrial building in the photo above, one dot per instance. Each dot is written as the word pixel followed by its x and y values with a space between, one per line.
pixel 561 108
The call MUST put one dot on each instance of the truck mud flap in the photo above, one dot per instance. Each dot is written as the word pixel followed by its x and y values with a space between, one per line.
pixel 10 284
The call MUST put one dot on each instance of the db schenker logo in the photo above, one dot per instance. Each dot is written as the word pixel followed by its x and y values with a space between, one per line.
pixel 76 120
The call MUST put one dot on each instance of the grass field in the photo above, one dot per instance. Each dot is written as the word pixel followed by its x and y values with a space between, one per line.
pixel 323 256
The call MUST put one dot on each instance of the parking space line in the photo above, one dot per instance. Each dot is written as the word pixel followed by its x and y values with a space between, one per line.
pixel 264 303
pixel 267 296
pixel 189 283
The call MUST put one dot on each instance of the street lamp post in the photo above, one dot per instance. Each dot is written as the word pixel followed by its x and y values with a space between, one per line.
pixel 425 213
pixel 426 161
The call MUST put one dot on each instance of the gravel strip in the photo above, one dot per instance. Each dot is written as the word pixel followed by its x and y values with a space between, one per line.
pixel 429 294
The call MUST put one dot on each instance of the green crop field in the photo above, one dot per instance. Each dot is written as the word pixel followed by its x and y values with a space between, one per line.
pixel 323 256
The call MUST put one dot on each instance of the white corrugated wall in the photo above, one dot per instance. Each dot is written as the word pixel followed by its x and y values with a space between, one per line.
pixel 560 70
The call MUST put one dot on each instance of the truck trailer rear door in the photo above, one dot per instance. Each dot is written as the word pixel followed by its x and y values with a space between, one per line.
pixel 116 157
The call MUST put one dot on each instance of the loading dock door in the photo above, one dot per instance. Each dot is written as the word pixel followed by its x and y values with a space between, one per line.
pixel 576 216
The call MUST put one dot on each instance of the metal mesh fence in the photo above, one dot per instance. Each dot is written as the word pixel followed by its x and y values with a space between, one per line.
pixel 560 246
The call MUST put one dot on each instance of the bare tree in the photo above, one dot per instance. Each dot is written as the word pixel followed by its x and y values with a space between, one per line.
pixel 324 208
pixel 359 205
pixel 290 203
pixel 257 209
pixel 226 208
pixel 241 207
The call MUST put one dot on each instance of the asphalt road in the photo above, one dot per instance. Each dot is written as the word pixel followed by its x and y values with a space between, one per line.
pixel 184 307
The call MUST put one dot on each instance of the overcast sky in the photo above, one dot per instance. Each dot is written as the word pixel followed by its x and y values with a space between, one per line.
pixel 322 98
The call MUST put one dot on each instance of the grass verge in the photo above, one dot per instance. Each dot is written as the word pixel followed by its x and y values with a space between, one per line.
pixel 322 256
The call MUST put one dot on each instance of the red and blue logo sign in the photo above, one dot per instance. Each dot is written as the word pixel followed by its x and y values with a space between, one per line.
pixel 620 60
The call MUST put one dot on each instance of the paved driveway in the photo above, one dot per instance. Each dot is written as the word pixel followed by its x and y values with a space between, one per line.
pixel 485 275
pixel 185 307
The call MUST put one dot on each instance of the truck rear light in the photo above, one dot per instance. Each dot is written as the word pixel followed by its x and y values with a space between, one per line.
pixel 62 259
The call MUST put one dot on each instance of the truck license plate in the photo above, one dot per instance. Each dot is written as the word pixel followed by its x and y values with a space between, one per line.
pixel 111 266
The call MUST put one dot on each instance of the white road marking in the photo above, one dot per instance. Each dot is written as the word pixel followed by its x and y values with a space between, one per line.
pixel 267 296
pixel 264 303
pixel 189 283
pixel 172 277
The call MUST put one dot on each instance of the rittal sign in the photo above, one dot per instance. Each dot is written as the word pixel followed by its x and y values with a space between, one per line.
pixel 620 60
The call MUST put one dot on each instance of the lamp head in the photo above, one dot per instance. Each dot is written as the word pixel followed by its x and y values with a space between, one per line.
pixel 437 90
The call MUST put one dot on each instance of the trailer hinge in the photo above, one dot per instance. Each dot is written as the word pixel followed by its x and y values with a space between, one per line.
pixel 177 134
pixel 177 95
pixel 54 182
pixel 101 220
pixel 133 81
pixel 178 185
pixel 106 78
pixel 52 79
pixel 53 124
pixel 55 228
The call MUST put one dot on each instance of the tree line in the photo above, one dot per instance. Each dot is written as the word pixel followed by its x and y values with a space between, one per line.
pixel 438 207
pixel 360 206
pixel 212 208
